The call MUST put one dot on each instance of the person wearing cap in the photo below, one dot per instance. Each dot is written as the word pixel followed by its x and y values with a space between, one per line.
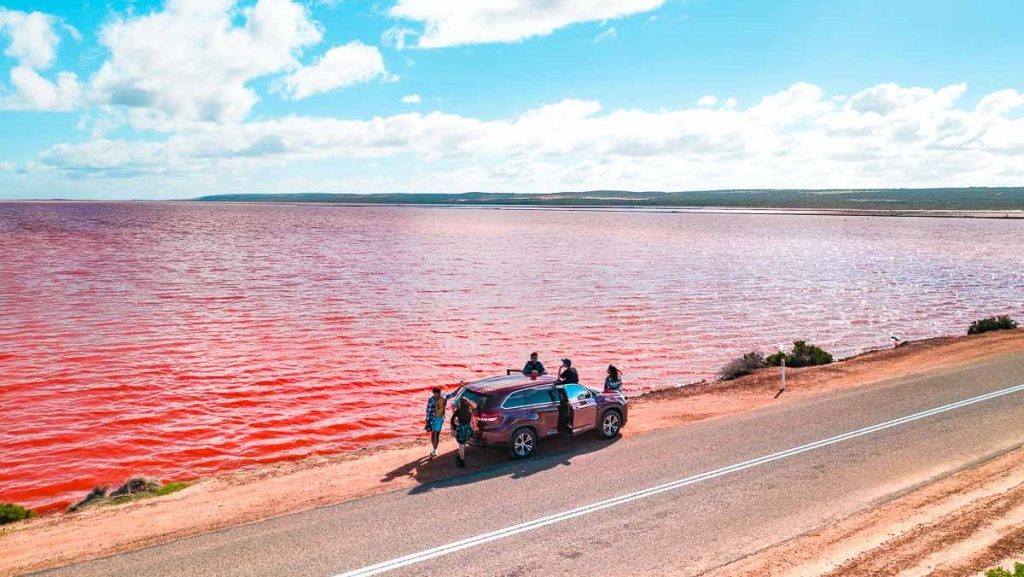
pixel 567 373
pixel 534 367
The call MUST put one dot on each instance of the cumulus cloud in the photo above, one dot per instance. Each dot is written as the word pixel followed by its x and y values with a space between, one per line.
pixel 33 40
pixel 707 100
pixel 455 22
pixel 33 92
pixel 203 74
pixel 797 137
pixel 341 66
pixel 411 99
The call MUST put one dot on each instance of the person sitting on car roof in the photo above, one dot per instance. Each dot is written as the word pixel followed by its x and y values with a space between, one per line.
pixel 533 367
pixel 567 373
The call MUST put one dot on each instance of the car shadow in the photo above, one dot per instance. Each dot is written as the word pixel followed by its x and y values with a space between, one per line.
pixel 481 464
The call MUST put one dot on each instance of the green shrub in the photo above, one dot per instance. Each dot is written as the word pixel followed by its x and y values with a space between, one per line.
pixel 10 513
pixel 740 366
pixel 135 488
pixel 802 355
pixel 999 323
pixel 172 487
pixel 1018 571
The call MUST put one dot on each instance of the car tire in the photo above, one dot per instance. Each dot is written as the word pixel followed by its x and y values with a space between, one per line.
pixel 523 443
pixel 610 425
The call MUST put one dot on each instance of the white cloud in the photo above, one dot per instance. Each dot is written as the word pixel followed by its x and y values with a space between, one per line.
pixel 33 41
pixel 395 36
pixel 202 74
pixel 33 44
pixel 33 92
pixel 456 22
pixel 1000 102
pixel 798 137
pixel 707 100
pixel 606 34
pixel 411 99
pixel 340 66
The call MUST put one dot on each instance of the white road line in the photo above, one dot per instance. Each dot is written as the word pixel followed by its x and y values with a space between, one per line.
pixel 427 554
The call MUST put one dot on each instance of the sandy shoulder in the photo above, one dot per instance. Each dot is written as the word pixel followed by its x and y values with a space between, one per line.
pixel 956 526
pixel 254 495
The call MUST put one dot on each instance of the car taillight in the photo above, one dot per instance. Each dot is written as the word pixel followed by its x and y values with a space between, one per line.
pixel 489 419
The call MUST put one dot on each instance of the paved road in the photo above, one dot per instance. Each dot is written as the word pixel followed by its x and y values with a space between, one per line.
pixel 683 531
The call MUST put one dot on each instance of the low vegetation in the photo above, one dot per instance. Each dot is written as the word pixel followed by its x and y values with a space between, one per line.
pixel 802 355
pixel 740 366
pixel 133 489
pixel 999 323
pixel 1018 571
pixel 11 513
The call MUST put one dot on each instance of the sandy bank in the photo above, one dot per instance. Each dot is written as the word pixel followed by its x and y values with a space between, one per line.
pixel 960 525
pixel 290 487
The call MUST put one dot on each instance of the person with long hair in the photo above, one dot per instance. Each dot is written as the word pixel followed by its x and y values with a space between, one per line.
pixel 613 380
pixel 463 430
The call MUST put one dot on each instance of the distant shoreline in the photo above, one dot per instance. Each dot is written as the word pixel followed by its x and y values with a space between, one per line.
pixel 764 211
pixel 874 202
pixel 976 213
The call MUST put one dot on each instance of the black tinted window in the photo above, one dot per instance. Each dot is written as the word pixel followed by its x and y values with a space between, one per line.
pixel 517 399
pixel 476 399
pixel 538 396
pixel 577 392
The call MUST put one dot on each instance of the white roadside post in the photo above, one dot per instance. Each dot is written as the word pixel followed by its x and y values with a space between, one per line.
pixel 783 367
pixel 782 371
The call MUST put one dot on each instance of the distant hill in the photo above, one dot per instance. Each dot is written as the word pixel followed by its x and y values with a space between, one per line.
pixel 1008 198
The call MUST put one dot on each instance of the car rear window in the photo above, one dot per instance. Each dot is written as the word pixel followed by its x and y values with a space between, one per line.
pixel 479 401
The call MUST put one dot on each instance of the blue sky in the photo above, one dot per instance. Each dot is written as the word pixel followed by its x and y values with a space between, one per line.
pixel 190 97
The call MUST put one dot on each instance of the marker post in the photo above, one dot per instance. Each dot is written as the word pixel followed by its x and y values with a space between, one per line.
pixel 782 370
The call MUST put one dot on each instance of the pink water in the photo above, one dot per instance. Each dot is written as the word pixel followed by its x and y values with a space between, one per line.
pixel 180 340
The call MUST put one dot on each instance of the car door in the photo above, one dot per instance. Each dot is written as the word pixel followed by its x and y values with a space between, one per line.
pixel 584 407
pixel 541 401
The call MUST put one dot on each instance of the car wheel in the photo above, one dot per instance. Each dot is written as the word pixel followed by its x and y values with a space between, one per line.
pixel 523 443
pixel 611 422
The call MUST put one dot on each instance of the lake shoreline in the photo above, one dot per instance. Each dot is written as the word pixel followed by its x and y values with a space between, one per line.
pixel 256 494
pixel 877 212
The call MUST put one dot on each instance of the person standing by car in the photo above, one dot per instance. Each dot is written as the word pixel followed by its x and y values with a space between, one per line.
pixel 435 416
pixel 613 380
pixel 533 368
pixel 463 430
pixel 567 373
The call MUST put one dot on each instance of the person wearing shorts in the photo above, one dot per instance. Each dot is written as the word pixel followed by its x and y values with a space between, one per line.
pixel 435 416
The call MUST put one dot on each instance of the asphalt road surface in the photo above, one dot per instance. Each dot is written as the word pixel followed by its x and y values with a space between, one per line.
pixel 690 523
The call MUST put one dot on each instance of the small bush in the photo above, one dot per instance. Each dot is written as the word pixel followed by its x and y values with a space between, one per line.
pixel 999 323
pixel 802 355
pixel 10 513
pixel 138 487
pixel 1018 571
pixel 96 495
pixel 740 366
